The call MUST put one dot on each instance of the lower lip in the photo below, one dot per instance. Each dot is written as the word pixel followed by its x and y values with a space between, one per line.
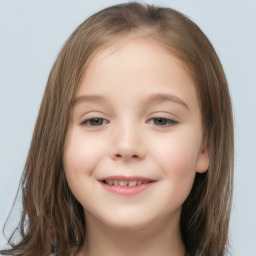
pixel 127 191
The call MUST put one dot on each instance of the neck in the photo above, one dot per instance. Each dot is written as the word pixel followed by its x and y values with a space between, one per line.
pixel 155 239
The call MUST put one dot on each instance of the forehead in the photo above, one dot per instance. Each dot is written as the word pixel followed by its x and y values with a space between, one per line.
pixel 135 55
pixel 129 49
pixel 137 67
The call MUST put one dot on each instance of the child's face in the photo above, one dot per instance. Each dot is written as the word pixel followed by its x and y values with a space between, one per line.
pixel 136 117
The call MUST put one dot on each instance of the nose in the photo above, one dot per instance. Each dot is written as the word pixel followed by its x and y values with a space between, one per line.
pixel 127 144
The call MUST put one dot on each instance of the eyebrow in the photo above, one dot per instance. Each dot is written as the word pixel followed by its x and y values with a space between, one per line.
pixel 87 98
pixel 152 99
pixel 162 97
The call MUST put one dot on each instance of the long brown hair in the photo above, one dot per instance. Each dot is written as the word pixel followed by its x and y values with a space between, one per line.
pixel 47 199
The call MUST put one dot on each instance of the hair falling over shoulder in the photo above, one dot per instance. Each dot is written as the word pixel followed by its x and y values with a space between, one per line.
pixel 47 199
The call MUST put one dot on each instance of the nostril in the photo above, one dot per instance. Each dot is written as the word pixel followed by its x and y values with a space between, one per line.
pixel 121 156
pixel 133 156
pixel 126 156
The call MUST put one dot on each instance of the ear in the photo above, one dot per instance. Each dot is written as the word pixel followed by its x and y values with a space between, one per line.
pixel 203 162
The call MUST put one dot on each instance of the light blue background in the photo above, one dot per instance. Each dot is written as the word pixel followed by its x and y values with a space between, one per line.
pixel 31 35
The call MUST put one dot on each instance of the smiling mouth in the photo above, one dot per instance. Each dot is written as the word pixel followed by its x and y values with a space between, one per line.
pixel 126 186
pixel 125 183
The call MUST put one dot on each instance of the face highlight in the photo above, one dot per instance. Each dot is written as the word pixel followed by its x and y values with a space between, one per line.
pixel 135 140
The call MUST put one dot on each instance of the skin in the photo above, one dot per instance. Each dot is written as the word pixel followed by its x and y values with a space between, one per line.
pixel 135 134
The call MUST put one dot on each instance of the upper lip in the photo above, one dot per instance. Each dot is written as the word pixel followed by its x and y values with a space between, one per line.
pixel 128 178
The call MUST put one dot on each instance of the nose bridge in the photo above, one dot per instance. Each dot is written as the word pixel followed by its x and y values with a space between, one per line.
pixel 127 141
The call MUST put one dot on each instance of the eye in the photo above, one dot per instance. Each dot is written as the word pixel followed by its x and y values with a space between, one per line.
pixel 94 122
pixel 159 121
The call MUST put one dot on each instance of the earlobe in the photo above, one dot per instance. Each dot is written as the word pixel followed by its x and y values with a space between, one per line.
pixel 203 162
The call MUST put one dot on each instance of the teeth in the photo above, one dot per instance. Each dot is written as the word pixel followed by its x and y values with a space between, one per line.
pixel 132 183
pixel 124 183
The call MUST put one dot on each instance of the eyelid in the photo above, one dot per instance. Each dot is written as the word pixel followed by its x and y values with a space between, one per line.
pixel 105 121
pixel 91 115
pixel 170 121
pixel 171 118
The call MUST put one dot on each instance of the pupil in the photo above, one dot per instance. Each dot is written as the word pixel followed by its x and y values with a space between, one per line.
pixel 160 121
pixel 96 121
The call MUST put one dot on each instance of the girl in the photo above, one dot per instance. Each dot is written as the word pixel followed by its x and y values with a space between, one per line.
pixel 132 151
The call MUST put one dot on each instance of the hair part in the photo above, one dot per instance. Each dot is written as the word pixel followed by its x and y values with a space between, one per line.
pixel 47 199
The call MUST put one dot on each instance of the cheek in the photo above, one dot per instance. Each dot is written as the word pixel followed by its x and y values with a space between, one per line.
pixel 177 157
pixel 180 150
pixel 176 161
pixel 81 154
pixel 179 161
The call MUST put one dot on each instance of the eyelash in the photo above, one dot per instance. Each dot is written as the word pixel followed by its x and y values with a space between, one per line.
pixel 166 122
pixel 87 121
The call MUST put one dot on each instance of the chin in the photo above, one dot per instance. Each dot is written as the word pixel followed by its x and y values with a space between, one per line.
pixel 129 225
pixel 136 221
